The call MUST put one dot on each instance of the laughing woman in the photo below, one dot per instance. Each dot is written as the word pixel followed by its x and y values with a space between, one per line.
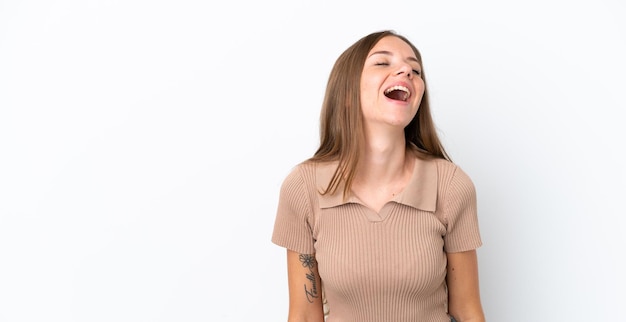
pixel 379 224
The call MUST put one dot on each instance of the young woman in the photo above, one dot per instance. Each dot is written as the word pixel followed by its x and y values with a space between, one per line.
pixel 379 225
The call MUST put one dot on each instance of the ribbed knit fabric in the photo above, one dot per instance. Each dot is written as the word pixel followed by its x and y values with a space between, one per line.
pixel 381 267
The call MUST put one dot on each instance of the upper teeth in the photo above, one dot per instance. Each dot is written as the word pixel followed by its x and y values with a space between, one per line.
pixel 397 88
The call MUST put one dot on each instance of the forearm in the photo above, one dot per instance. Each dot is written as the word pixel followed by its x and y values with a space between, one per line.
pixel 463 288
pixel 305 288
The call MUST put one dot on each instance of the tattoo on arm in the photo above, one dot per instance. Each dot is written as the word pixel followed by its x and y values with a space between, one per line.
pixel 309 262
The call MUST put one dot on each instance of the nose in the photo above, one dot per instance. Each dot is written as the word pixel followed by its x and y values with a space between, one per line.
pixel 405 69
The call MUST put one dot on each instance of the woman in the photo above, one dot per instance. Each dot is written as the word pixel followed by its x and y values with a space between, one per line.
pixel 379 216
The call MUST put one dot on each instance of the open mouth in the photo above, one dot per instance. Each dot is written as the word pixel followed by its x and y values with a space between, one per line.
pixel 398 93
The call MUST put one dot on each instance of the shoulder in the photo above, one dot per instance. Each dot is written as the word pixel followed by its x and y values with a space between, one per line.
pixel 455 187
pixel 308 176
pixel 301 172
pixel 449 172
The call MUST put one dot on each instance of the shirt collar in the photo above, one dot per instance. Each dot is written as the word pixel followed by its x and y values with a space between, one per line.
pixel 420 192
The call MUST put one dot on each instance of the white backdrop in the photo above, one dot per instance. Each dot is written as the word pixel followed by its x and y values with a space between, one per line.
pixel 143 143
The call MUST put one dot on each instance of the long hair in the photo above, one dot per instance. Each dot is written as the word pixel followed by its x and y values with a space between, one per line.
pixel 341 123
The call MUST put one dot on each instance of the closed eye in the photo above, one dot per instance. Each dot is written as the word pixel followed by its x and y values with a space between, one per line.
pixel 417 72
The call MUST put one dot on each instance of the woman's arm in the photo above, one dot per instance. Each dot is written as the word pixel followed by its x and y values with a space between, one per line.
pixel 305 288
pixel 463 287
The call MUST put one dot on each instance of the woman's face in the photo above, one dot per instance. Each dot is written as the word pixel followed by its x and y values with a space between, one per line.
pixel 391 84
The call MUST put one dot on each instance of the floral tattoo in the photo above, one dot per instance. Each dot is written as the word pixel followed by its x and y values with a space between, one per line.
pixel 307 260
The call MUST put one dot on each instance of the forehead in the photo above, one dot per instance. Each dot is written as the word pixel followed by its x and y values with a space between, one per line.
pixel 393 45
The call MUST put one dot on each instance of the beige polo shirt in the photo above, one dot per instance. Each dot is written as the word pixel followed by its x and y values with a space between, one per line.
pixel 386 266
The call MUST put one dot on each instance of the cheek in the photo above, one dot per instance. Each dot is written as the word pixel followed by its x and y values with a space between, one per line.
pixel 368 88
pixel 419 85
pixel 419 88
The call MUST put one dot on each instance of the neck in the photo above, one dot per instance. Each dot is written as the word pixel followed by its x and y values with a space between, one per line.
pixel 384 160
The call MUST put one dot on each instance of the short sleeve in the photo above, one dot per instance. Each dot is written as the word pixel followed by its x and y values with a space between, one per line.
pixel 461 214
pixel 292 228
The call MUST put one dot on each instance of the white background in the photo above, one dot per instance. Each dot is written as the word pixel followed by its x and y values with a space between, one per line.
pixel 143 143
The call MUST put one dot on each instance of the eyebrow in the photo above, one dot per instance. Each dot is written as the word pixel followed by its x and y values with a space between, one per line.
pixel 385 52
